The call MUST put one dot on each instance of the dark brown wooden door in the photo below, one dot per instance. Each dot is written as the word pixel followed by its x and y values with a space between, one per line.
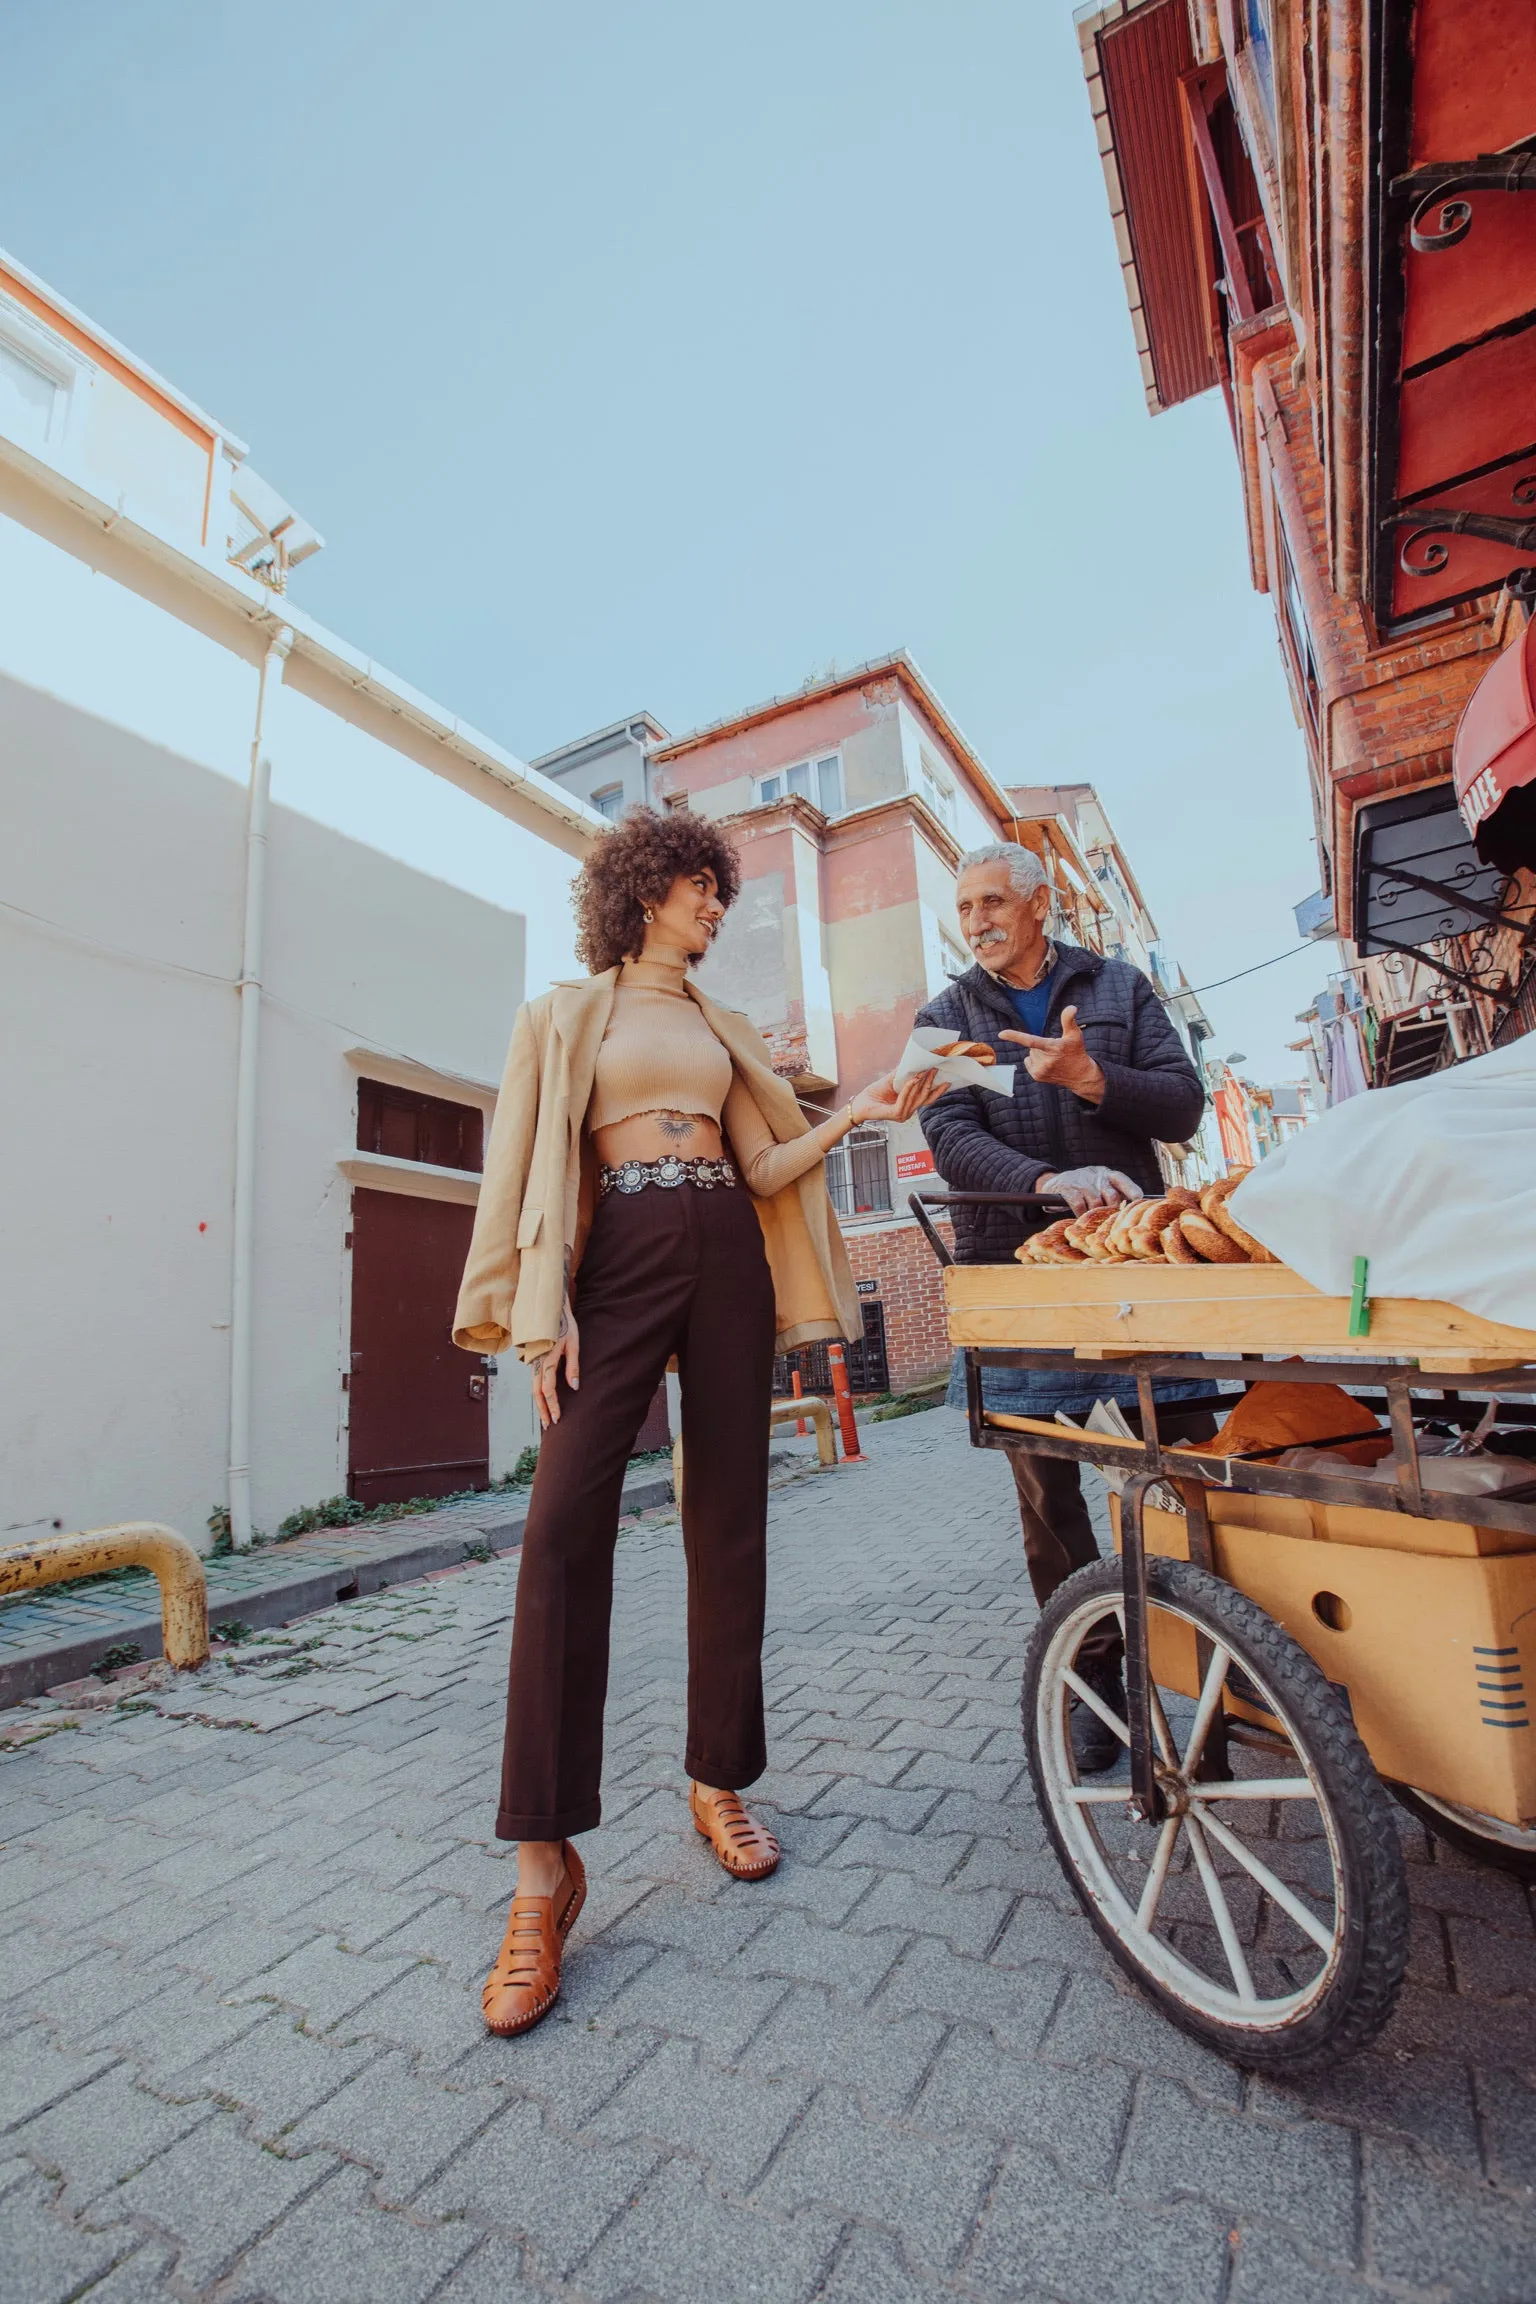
pixel 420 1422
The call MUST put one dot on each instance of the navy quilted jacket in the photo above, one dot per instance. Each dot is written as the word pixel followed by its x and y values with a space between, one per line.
pixel 987 1143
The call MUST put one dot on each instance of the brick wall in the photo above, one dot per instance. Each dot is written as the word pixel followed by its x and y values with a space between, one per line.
pixel 906 1272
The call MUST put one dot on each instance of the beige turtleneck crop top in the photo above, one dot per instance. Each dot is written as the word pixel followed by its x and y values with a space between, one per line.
pixel 659 1055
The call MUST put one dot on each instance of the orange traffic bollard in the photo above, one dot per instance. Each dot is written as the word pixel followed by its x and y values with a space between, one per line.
pixel 843 1395
pixel 796 1387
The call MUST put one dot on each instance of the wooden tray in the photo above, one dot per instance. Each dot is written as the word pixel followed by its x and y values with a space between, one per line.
pixel 1099 1310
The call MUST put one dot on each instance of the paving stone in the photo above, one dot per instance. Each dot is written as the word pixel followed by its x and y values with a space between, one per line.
pixel 924 2186
pixel 1015 2003
pixel 183 2021
pixel 732 2121
pixel 967 1922
pixel 825 2038
pixel 1040 2231
pixel 172 1866
pixel 1078 2112
pixel 1102 2017
pixel 671 1995
pixel 1468 2240
pixel 399 2126
pixel 1041 1930
pixel 902 1811
pixel 870 2270
pixel 494 2274
pixel 792 1946
pixel 1302 2174
pixel 336 2248
pixel 1428 2097
pixel 709 1931
pixel 323 1982
pixel 45 2260
pixel 1268 2270
pixel 877 1848
pixel 524 2179
pixel 37 2074
pixel 275 2073
pixel 1507 2110
pixel 681 2244
pixel 567 2064
pixel 101 2133
pixel 216 2193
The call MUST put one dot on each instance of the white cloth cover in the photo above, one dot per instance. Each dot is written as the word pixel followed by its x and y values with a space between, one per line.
pixel 1435 1182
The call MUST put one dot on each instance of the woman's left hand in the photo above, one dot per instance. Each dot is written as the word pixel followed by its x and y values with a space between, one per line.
pixel 883 1100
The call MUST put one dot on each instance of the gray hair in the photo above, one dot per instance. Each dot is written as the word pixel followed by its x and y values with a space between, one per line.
pixel 1025 869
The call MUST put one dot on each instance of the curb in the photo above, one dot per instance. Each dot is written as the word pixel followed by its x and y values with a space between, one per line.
pixel 297 1593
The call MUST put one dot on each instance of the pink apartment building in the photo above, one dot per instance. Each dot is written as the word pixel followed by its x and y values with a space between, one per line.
pixel 851 802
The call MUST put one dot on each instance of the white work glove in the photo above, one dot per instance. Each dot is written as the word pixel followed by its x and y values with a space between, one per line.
pixel 1085 1188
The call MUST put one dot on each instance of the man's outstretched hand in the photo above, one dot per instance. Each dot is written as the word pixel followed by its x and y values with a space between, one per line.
pixel 1062 1063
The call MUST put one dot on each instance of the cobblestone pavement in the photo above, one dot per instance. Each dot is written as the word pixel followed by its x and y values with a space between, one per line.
pixel 245 1923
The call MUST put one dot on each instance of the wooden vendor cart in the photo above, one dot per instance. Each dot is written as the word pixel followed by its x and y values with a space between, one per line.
pixel 1297 1640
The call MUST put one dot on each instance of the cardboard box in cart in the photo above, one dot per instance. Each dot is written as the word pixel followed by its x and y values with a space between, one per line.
pixel 1429 1627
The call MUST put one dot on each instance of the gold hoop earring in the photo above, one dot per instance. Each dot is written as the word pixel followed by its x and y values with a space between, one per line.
pixel 649 917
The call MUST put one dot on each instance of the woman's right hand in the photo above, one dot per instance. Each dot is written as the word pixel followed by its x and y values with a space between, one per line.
pixel 546 1382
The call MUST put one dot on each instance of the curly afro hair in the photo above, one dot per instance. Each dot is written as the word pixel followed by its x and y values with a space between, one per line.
pixel 635 865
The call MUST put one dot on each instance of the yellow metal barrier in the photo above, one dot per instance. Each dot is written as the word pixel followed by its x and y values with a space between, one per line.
pixel 134 1544
pixel 779 1412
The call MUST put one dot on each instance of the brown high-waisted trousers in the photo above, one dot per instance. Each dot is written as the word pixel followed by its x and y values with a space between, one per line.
pixel 680 1270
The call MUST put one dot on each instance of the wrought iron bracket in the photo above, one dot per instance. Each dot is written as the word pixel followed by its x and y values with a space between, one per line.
pixel 1502 998
pixel 1513 170
pixel 1448 520
pixel 1452 896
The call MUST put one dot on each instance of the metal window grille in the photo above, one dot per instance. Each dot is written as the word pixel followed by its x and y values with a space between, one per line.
pixel 859 1174
pixel 868 1367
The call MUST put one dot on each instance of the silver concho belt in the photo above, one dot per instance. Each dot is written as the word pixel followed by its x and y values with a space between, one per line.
pixel 634 1175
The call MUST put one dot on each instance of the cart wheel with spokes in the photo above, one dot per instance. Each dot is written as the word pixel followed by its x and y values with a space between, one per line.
pixel 1267 1913
pixel 1511 1847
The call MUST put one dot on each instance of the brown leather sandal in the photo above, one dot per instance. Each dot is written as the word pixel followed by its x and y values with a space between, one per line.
pixel 524 1984
pixel 744 1848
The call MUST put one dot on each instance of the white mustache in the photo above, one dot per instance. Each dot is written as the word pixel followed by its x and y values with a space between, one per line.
pixel 988 936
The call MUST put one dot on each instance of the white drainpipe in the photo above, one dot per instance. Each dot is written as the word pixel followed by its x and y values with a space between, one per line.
pixel 240 1292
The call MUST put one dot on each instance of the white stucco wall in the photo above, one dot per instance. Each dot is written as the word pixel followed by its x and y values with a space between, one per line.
pixel 96 641
pixel 121 873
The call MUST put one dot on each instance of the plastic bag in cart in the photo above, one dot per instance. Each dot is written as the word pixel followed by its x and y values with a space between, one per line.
pixel 1434 1181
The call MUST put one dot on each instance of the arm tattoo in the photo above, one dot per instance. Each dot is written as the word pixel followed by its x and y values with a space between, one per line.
pixel 677 1127
pixel 565 1306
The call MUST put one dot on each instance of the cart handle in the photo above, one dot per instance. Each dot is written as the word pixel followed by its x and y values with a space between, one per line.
pixel 920 1202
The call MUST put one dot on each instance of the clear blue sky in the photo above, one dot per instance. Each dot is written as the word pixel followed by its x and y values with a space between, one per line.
pixel 658 356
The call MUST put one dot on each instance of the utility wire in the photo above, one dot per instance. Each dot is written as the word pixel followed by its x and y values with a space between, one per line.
pixel 1242 972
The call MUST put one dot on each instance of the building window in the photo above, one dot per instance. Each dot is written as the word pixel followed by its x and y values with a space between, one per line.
pixel 30 399
pixel 859 1174
pixel 609 802
pixel 819 781
pixel 403 1125
pixel 1298 631
pixel 938 792
pixel 954 961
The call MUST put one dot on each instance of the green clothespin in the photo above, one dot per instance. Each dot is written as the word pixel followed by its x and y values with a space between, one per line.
pixel 1359 1302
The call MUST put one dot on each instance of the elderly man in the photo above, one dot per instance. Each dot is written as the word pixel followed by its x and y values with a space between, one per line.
pixel 1101 1076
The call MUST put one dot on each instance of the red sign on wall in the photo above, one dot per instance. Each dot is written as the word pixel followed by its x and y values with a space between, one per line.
pixel 914 1163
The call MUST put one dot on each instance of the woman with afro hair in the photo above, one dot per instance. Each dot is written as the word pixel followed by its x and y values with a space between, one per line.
pixel 651 1189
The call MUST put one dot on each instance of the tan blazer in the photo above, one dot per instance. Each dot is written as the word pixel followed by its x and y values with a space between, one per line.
pixel 540 1184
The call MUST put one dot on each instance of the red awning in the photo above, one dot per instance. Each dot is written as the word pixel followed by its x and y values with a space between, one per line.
pixel 1495 751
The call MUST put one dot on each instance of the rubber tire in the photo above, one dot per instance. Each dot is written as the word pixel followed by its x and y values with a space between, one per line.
pixel 1375 1888
pixel 1519 1862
